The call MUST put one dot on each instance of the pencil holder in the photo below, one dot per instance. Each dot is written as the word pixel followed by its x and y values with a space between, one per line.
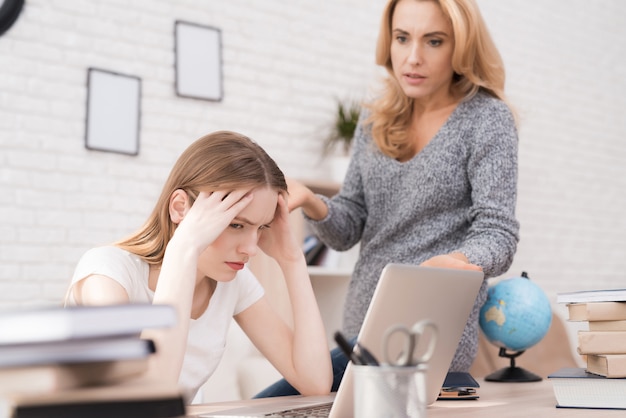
pixel 390 391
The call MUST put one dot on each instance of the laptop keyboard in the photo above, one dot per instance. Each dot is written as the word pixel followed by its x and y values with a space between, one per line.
pixel 316 411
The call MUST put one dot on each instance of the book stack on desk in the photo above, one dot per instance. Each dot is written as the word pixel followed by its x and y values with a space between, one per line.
pixel 83 361
pixel 602 383
pixel 604 343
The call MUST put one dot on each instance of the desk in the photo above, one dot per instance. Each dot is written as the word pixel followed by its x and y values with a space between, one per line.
pixel 514 400
pixel 497 400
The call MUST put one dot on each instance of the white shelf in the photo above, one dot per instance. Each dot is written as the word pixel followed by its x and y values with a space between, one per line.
pixel 321 271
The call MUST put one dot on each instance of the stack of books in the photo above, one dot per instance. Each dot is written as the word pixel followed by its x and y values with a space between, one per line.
pixel 602 383
pixel 83 361
pixel 604 343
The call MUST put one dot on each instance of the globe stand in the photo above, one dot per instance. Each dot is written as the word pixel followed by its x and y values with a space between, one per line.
pixel 512 373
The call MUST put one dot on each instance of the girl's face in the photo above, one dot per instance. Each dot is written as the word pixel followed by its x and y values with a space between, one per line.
pixel 422 44
pixel 238 243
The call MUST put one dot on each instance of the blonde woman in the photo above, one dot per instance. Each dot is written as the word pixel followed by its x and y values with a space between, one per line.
pixel 224 199
pixel 433 174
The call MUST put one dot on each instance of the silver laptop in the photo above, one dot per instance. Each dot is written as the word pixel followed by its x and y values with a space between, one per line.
pixel 405 294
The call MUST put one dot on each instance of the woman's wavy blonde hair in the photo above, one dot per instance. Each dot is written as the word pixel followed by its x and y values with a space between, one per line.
pixel 222 160
pixel 475 60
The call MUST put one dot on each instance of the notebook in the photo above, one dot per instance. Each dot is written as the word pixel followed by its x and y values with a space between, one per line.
pixel 404 294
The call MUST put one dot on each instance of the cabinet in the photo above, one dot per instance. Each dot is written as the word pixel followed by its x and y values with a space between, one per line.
pixel 329 283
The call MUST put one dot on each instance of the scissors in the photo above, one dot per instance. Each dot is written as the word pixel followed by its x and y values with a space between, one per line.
pixel 411 338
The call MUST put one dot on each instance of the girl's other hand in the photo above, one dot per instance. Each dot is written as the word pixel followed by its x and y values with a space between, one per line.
pixel 277 241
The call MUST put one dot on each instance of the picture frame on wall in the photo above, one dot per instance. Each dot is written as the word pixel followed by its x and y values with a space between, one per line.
pixel 198 61
pixel 113 112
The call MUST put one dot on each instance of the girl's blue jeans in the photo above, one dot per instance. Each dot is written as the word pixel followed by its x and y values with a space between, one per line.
pixel 282 388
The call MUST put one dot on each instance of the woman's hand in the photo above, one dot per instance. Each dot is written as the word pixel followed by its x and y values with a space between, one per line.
pixel 277 241
pixel 201 224
pixel 301 196
pixel 451 261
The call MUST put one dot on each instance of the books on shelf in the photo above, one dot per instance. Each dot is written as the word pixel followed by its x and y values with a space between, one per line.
pixel 602 342
pixel 597 311
pixel 314 249
pixel 576 388
pixel 585 296
pixel 607 365
pixel 317 253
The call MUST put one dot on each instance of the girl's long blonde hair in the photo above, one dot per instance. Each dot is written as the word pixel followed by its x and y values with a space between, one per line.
pixel 475 60
pixel 219 161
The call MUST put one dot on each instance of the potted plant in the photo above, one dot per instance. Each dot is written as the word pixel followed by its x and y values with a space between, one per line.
pixel 340 136
pixel 342 131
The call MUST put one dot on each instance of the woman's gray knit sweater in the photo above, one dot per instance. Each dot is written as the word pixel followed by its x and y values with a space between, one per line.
pixel 457 194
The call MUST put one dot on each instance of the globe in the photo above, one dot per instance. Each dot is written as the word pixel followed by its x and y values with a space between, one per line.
pixel 516 315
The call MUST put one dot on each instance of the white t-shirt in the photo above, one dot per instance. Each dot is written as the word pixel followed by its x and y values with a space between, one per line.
pixel 207 334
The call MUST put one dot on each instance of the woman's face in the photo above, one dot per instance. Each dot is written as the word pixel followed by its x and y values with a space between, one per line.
pixel 422 43
pixel 238 243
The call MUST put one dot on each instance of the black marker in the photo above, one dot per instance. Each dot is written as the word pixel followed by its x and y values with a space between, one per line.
pixel 366 355
pixel 344 345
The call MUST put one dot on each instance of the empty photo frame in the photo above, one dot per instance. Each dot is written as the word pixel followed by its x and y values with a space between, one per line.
pixel 113 112
pixel 198 51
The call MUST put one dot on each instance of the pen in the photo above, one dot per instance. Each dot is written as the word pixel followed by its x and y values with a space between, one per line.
pixel 344 345
pixel 366 355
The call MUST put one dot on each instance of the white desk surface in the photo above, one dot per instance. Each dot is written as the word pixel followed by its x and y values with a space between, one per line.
pixel 497 400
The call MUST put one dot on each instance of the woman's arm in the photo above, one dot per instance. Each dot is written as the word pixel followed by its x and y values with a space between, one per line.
pixel 301 355
pixel 492 239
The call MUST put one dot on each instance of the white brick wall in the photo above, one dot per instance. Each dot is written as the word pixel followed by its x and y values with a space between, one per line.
pixel 566 68
pixel 284 62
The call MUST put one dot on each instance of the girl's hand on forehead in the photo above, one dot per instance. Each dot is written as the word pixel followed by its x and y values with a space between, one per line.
pixel 210 215
pixel 277 241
